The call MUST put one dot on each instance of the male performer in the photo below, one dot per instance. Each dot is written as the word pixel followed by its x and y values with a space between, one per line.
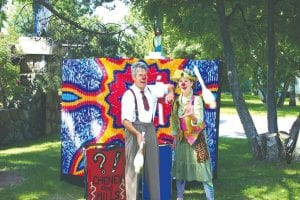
pixel 138 110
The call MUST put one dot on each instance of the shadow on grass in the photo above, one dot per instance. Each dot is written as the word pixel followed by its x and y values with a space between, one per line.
pixel 239 176
pixel 38 163
pixel 242 177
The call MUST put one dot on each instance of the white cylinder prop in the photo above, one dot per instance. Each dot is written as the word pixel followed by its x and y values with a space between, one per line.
pixel 160 104
pixel 138 161
pixel 208 96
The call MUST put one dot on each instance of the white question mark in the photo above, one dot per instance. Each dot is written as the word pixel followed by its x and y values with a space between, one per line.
pixel 102 162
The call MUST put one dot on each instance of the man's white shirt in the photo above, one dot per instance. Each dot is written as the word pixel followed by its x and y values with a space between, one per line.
pixel 152 93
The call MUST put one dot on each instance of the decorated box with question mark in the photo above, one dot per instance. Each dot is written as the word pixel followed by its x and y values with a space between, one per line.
pixel 104 172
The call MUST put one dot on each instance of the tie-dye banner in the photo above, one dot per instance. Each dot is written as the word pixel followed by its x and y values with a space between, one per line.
pixel 91 103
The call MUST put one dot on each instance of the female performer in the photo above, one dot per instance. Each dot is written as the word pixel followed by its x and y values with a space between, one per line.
pixel 192 160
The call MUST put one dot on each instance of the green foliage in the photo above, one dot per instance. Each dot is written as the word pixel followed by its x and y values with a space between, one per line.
pixel 139 40
pixel 187 50
pixel 191 21
pixel 195 22
pixel 72 43
pixel 21 19
pixel 2 14
pixel 2 19
pixel 102 40
pixel 10 88
pixel 190 30
pixel 248 28
pixel 79 44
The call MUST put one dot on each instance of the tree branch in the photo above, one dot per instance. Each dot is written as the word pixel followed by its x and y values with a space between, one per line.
pixel 76 24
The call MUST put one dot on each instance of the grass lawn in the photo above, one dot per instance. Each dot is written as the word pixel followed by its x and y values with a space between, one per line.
pixel 37 166
pixel 256 107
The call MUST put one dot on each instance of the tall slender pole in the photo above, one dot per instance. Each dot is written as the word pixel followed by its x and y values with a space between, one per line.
pixel 157 41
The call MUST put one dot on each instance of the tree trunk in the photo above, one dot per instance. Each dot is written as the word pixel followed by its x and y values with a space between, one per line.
pixel 271 98
pixel 261 95
pixel 292 141
pixel 3 95
pixel 238 98
pixel 282 96
pixel 292 101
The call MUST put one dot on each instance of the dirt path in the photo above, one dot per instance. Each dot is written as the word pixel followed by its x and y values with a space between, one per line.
pixel 8 178
pixel 230 125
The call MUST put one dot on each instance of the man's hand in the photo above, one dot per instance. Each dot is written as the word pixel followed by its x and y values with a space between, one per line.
pixel 140 138
pixel 174 143
pixel 170 96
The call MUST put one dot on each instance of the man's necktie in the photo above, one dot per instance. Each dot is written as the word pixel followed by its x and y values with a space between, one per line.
pixel 145 101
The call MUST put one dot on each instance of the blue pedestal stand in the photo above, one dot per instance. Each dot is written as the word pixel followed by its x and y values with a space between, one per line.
pixel 165 153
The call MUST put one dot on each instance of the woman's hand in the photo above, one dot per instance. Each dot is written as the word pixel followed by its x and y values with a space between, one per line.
pixel 179 135
pixel 194 119
pixel 189 111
